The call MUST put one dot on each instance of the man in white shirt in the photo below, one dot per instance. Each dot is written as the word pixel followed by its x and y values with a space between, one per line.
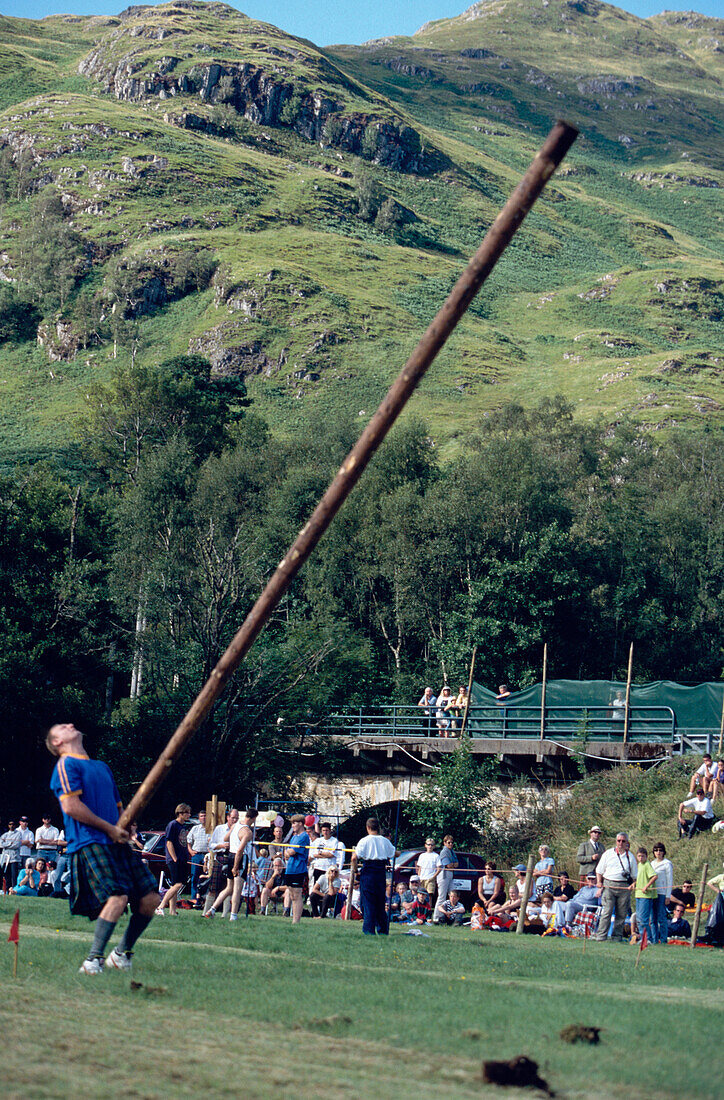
pixel 27 840
pixel 221 870
pixel 197 842
pixel 427 866
pixel 46 841
pixel 375 851
pixel 324 851
pixel 703 811
pixel 10 856
pixel 703 776
pixel 615 879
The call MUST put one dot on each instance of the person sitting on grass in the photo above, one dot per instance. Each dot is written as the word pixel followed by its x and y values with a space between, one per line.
pixel 683 894
pixel 515 894
pixel 396 909
pixel 105 875
pixel 546 913
pixel 703 776
pixel 563 891
pixel 274 888
pixel 421 908
pixel 28 880
pixel 452 910
pixel 586 898
pixel 323 895
pixel 677 926
pixel 703 815
pixel 491 889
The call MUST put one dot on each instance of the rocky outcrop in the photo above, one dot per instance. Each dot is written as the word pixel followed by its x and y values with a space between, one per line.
pixel 59 340
pixel 264 95
pixel 228 357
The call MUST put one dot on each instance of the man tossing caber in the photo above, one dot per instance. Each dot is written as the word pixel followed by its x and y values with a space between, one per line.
pixel 105 876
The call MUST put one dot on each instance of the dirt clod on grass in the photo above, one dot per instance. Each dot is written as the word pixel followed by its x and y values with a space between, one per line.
pixel 149 990
pixel 521 1072
pixel 579 1033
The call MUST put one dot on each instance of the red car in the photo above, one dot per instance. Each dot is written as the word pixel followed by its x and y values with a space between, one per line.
pixel 465 876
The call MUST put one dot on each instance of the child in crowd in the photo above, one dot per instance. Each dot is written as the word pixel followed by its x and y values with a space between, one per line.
pixel 251 889
pixel 452 910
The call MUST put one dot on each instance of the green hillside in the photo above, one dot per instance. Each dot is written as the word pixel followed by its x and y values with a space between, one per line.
pixel 297 215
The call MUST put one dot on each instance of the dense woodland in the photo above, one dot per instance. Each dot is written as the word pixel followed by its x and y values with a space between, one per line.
pixel 123 579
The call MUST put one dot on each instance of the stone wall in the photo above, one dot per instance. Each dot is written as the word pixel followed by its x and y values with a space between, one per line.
pixel 347 794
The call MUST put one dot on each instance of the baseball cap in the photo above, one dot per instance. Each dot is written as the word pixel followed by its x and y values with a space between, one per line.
pixel 519 867
pixel 595 829
pixel 414 878
pixel 591 874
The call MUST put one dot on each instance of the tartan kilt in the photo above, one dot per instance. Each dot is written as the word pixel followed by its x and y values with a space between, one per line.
pixel 101 871
pixel 219 875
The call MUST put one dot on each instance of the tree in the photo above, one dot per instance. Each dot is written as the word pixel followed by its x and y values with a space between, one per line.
pixel 51 253
pixel 452 798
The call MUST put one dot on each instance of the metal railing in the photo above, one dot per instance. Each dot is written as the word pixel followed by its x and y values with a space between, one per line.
pixel 591 723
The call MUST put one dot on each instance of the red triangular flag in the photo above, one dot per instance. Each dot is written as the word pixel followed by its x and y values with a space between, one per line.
pixel 644 941
pixel 14 933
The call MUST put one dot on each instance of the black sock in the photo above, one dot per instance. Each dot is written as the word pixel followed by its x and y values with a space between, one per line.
pixel 103 932
pixel 136 925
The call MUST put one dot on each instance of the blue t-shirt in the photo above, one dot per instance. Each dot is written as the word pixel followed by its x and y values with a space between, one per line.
pixel 297 862
pixel 447 856
pixel 93 782
pixel 547 864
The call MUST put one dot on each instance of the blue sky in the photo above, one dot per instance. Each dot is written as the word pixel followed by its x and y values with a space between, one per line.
pixel 343 21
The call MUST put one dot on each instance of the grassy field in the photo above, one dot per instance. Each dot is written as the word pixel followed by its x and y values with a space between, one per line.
pixel 275 1010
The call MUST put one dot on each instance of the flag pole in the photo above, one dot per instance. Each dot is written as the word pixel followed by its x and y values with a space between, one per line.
pixel 496 240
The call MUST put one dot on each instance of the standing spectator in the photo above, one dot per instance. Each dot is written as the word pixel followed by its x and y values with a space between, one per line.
pixel 615 878
pixel 10 855
pixel 26 839
pixel 277 848
pixel 589 852
pixel 703 776
pixel 448 863
pixel 263 866
pixel 683 894
pixel 503 695
pixel 458 705
pixel 375 851
pixel 444 701
pixel 251 888
pixel 427 866
pixel 220 880
pixel 664 885
pixel 645 893
pixel 240 848
pixel 295 875
pixel 197 843
pixel 46 841
pixel 325 851
pixel 428 701
pixel 177 859
pixel 543 871
pixel 703 815
pixel 678 927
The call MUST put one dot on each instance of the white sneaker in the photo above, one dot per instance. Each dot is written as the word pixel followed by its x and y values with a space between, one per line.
pixel 91 966
pixel 233 916
pixel 160 912
pixel 118 960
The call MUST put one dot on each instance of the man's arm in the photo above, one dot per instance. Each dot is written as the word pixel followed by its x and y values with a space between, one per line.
pixel 75 808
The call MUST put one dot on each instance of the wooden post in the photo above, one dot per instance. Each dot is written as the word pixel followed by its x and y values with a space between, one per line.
pixel 700 902
pixel 543 692
pixel 214 811
pixel 348 906
pixel 435 337
pixel 470 688
pixel 526 894
pixel 628 695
